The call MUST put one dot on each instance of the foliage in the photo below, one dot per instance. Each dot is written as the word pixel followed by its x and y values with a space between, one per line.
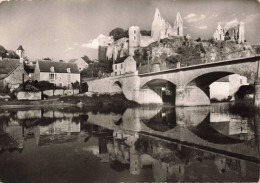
pixel 75 85
pixel 84 87
pixel 13 55
pixel 198 39
pixel 118 33
pixel 47 58
pixel 86 59
pixel 97 69
pixel 2 51
pixel 145 33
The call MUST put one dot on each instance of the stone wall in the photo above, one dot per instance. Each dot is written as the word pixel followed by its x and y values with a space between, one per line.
pixel 29 95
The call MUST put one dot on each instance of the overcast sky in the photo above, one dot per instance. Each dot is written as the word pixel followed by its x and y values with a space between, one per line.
pixel 66 30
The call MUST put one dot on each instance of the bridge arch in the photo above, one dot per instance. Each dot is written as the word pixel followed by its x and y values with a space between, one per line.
pixel 116 87
pixel 164 88
pixel 212 74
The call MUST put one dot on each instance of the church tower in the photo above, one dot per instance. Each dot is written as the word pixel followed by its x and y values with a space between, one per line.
pixel 179 25
pixel 20 53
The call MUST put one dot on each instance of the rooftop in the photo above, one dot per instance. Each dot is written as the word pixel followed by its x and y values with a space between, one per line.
pixel 59 67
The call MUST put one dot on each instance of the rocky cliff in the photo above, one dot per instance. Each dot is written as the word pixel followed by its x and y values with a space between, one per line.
pixel 171 50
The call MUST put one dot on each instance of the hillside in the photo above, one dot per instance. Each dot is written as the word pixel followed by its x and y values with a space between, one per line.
pixel 171 50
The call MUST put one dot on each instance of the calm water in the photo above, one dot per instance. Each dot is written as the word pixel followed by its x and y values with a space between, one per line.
pixel 141 144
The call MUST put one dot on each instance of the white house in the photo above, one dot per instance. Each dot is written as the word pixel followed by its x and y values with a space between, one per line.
pixel 128 66
pixel 60 73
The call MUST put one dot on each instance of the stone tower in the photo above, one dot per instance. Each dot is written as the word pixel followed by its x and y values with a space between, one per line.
pixel 134 39
pixel 241 38
pixel 178 25
pixel 156 26
pixel 104 42
pixel 102 48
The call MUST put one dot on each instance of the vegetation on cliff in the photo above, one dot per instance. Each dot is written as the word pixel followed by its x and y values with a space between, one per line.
pixel 171 50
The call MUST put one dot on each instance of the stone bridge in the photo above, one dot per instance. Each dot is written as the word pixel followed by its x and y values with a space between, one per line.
pixel 188 86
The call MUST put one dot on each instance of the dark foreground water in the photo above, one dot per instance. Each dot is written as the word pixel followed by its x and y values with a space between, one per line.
pixel 139 145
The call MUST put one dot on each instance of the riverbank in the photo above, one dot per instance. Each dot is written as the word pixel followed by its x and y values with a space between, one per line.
pixel 101 102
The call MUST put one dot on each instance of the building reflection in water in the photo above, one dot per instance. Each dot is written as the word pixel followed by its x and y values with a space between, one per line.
pixel 158 139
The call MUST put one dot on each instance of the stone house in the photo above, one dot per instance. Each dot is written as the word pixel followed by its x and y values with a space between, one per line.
pixel 60 73
pixel 12 73
pixel 80 63
pixel 128 66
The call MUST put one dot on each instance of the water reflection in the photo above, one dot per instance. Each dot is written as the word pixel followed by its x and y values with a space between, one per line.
pixel 159 144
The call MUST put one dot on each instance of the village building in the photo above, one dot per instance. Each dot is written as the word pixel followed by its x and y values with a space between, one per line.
pixel 125 67
pixel 80 63
pixel 12 73
pixel 59 73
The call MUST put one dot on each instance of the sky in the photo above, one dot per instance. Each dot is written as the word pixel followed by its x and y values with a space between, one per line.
pixel 63 30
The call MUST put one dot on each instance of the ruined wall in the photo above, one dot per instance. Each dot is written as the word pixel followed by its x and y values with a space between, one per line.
pixel 29 95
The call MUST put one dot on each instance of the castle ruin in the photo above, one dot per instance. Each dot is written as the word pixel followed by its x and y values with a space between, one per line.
pixel 110 49
pixel 235 33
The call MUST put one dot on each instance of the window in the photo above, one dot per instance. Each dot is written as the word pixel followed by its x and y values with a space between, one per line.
pixel 51 76
pixel 55 76
pixel 68 70
pixel 134 37
pixel 134 31
pixel 69 77
pixel 60 84
pixel 115 73
pixel 115 67
pixel 121 66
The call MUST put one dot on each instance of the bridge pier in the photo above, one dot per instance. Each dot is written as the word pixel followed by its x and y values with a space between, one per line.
pixel 191 96
pixel 257 87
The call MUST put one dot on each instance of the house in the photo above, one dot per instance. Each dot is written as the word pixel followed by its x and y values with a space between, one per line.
pixel 12 73
pixel 125 67
pixel 80 63
pixel 60 73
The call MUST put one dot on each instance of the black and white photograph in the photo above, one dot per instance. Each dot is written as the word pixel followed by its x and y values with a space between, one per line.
pixel 129 91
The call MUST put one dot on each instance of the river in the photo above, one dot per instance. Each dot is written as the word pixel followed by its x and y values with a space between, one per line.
pixel 144 144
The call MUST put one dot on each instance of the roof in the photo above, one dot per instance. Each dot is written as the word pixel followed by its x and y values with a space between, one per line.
pixel 20 48
pixel 7 65
pixel 59 67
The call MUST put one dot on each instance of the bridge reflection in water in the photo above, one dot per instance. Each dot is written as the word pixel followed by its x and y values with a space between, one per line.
pixel 171 144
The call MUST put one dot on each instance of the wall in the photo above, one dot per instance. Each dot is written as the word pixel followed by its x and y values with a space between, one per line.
pixel 17 76
pixel 61 78
pixel 29 95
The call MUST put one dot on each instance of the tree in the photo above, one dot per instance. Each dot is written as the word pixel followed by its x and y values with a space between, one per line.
pixel 118 33
pixel 2 51
pixel 86 59
pixel 47 58
pixel 145 33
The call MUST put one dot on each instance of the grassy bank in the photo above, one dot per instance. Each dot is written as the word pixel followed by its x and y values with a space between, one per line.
pixel 104 102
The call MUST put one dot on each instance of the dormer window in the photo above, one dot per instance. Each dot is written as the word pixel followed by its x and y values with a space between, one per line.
pixel 68 70
pixel 52 69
